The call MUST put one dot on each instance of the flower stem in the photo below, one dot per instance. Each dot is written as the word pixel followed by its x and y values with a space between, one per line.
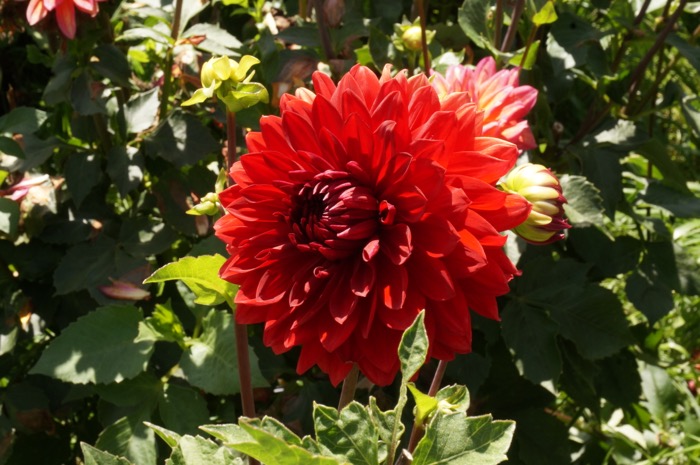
pixel 230 140
pixel 323 31
pixel 498 25
pixel 347 394
pixel 513 27
pixel 418 430
pixel 422 7
pixel 168 69
pixel 638 73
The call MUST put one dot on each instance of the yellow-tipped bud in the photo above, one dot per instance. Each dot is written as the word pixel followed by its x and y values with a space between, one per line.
pixel 539 186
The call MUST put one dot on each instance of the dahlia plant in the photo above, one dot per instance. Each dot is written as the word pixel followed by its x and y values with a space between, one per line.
pixel 362 252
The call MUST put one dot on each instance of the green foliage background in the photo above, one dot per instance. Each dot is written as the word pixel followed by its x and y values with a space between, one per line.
pixel 597 356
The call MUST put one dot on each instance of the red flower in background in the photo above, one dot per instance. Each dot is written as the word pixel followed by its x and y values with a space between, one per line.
pixel 357 208
pixel 65 12
pixel 505 103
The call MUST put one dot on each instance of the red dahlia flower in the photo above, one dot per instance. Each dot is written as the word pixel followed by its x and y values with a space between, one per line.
pixel 65 12
pixel 357 208
pixel 505 103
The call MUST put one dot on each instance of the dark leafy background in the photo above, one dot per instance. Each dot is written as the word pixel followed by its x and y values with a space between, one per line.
pixel 597 356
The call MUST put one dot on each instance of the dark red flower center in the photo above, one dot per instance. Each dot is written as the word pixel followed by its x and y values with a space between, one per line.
pixel 334 215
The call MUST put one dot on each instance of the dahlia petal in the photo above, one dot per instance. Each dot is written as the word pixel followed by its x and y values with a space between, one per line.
pixel 435 235
pixel 363 277
pixel 326 116
pixel 358 141
pixel 87 6
pixel 392 108
pixel 431 277
pixel 424 103
pixel 353 103
pixel 65 17
pixel 440 126
pixel 323 85
pixel 36 11
pixel 335 332
pixel 274 135
pixel 393 171
pixel 300 133
pixel 488 162
pixel 370 83
pixel 272 286
pixel 393 281
pixel 370 250
pixel 396 243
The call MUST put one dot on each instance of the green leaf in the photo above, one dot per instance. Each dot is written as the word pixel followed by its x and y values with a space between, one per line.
pixel 141 110
pixel 654 299
pixel 661 394
pixel 201 275
pixel 245 96
pixel 594 321
pixel 181 139
pixel 455 439
pixel 454 398
pixel 98 348
pixel 386 423
pixel 112 64
pixel 533 337
pixel 125 168
pixel 217 40
pixel 142 236
pixel 9 146
pixel 680 204
pixel 657 153
pixel 182 409
pixel 83 172
pixel 691 112
pixel 350 435
pixel 82 97
pixel 22 120
pixel 529 61
pixel 131 438
pixel 171 438
pixel 251 439
pixel 413 348
pixel 143 33
pixel 473 19
pixel 425 404
pixel 145 388
pixel 93 456
pixel 199 451
pixel 210 361
pixel 9 218
pixel 541 439
pixel 585 205
pixel 85 265
pixel 546 15
pixel 689 51
pixel 162 325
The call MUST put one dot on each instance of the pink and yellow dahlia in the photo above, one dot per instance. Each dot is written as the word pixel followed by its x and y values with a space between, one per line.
pixel 65 12
pixel 498 94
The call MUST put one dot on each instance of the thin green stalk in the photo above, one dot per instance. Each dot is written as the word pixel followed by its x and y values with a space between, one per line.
pixel 168 69
pixel 347 394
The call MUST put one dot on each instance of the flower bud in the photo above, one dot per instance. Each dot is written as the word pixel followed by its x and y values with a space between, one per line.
pixel 412 39
pixel 539 186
